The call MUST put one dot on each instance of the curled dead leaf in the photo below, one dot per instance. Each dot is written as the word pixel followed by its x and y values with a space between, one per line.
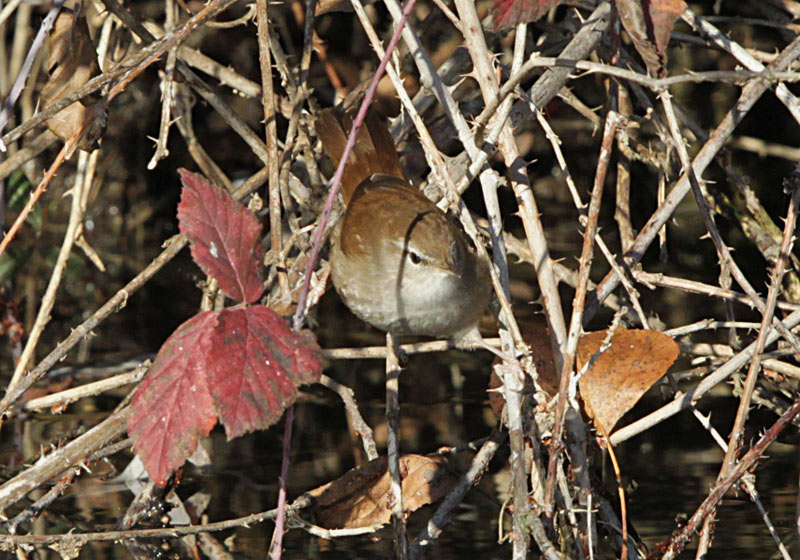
pixel 619 377
pixel 649 25
pixel 362 496
pixel 71 63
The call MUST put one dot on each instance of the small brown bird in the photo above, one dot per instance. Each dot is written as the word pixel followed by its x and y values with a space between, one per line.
pixel 398 262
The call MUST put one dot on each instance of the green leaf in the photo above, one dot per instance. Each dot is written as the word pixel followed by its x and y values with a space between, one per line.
pixel 18 192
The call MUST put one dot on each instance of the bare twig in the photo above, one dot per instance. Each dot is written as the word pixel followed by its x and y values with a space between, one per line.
pixel 276 549
pixel 393 447
pixel 683 535
pixel 270 116
pixel 612 121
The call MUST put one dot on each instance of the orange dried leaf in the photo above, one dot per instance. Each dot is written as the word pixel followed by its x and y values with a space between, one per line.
pixel 620 376
pixel 362 497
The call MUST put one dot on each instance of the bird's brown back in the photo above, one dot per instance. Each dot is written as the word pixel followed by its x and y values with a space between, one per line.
pixel 374 151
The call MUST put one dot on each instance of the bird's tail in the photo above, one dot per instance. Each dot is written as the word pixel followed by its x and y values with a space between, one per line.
pixel 374 151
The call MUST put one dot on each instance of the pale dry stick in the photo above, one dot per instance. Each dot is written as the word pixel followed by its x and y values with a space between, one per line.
pixel 555 143
pixel 49 298
pixel 651 279
pixel 633 294
pixel 282 64
pixel 270 118
pixel 737 432
pixel 747 481
pixel 8 9
pixel 380 352
pixel 109 22
pixel 123 73
pixel 716 37
pixel 751 93
pixel 708 324
pixel 20 49
pixel 784 368
pixel 658 84
pixel 183 116
pixel 114 304
pixel 168 88
pixel 566 495
pixel 199 61
pixel 24 72
pixel 763 149
pixel 454 498
pixel 579 300
pixel 79 539
pixel 5 77
pixel 244 19
pixel 513 383
pixel 49 466
pixel 297 522
pixel 725 256
pixel 88 179
pixel 68 396
pixel 356 421
pixel 682 401
pixel 41 505
pixel 276 548
pixel 683 535
pixel 393 447
pixel 530 217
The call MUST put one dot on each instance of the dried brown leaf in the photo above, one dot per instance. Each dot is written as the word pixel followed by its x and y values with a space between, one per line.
pixel 649 25
pixel 362 497
pixel 71 63
pixel 620 376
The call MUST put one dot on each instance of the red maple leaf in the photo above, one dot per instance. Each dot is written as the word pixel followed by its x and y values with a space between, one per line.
pixel 255 365
pixel 508 13
pixel 172 407
pixel 224 236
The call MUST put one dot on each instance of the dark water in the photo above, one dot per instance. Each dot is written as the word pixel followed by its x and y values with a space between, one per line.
pixel 669 470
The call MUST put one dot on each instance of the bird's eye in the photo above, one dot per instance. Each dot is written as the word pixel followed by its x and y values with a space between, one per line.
pixel 414 257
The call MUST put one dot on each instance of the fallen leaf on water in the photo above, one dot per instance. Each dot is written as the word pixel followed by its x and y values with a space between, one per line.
pixel 362 497
pixel 619 377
